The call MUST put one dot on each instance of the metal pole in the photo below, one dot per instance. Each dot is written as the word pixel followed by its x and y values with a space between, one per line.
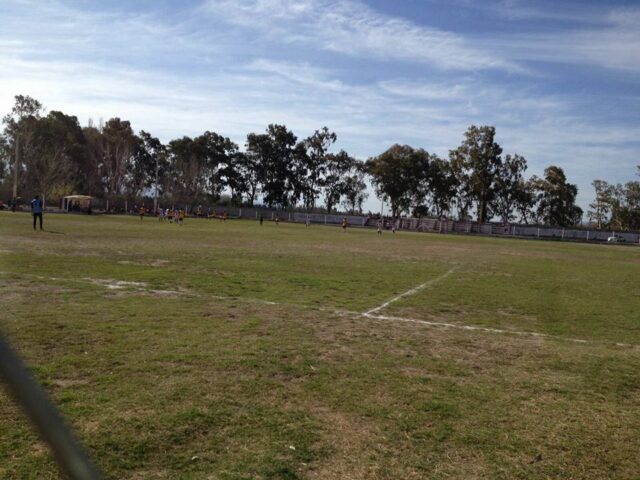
pixel 16 167
pixel 155 199
pixel 70 456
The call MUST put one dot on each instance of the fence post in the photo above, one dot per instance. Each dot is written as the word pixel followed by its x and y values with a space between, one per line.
pixel 562 234
pixel 538 232
pixel 240 214
pixel 325 219
pixel 107 206
pixel 588 232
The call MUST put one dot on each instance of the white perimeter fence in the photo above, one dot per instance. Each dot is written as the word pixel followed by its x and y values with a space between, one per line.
pixel 432 225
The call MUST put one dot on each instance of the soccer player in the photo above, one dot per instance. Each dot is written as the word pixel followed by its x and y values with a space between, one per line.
pixel 142 212
pixel 261 219
pixel 379 227
pixel 277 220
pixel 36 210
pixel 181 217
pixel 344 224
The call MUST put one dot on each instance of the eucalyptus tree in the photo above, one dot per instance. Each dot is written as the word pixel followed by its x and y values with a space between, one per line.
pixel 397 174
pixel 557 199
pixel 338 168
pixel 508 187
pixel 57 150
pixel 477 162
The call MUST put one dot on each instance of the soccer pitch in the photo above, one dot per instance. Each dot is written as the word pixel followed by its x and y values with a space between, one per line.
pixel 229 350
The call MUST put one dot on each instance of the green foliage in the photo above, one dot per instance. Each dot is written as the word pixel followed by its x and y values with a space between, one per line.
pixel 556 199
pixel 477 162
pixel 398 174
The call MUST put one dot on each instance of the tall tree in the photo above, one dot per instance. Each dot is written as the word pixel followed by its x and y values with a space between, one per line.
pixel 478 161
pixel 442 185
pixel 354 189
pixel 338 167
pixel 526 199
pixel 91 170
pixel 57 149
pixel 556 199
pixel 619 209
pixel 463 194
pixel 394 175
pixel 601 206
pixel 219 152
pixel 18 129
pixel 247 167
pixel 149 158
pixel 435 185
pixel 233 173
pixel 274 151
pixel 508 187
pixel 632 198
pixel 118 145
pixel 188 163
pixel 315 164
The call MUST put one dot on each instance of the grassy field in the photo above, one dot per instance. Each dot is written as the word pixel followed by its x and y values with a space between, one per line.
pixel 233 351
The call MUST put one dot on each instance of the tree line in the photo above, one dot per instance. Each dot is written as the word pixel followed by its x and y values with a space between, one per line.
pixel 475 178
pixel 616 206
pixel 58 157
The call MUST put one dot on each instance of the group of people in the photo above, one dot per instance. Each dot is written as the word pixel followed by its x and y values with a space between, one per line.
pixel 170 214
pixel 395 225
pixel 178 215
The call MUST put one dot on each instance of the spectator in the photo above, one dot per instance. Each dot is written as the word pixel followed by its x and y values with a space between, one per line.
pixel 36 210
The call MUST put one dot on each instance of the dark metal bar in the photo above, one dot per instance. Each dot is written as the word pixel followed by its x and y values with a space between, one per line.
pixel 69 454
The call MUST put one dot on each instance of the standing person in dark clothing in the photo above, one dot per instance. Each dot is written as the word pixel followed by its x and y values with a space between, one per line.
pixel 36 210
pixel 261 219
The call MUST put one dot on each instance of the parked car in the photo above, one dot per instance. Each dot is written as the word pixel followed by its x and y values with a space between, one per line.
pixel 616 239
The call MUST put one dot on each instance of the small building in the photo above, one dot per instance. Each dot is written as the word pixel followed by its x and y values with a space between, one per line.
pixel 77 203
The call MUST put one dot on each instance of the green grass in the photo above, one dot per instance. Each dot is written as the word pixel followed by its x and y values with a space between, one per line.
pixel 190 373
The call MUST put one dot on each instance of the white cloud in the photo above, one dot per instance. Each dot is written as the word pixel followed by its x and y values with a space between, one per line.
pixel 94 65
pixel 352 28
pixel 612 44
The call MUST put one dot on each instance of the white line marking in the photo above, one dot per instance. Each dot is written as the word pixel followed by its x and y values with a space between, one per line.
pixel 475 328
pixel 370 314
pixel 431 282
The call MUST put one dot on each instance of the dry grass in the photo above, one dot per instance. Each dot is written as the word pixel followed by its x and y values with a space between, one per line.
pixel 261 349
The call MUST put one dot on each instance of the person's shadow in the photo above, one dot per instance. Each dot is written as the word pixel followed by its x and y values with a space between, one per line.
pixel 54 232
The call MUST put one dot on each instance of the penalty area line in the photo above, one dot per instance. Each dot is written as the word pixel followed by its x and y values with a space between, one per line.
pixel 429 283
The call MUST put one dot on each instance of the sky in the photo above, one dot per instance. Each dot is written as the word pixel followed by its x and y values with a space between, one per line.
pixel 560 80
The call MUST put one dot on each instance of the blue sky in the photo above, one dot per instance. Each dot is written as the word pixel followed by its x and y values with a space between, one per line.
pixel 560 80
